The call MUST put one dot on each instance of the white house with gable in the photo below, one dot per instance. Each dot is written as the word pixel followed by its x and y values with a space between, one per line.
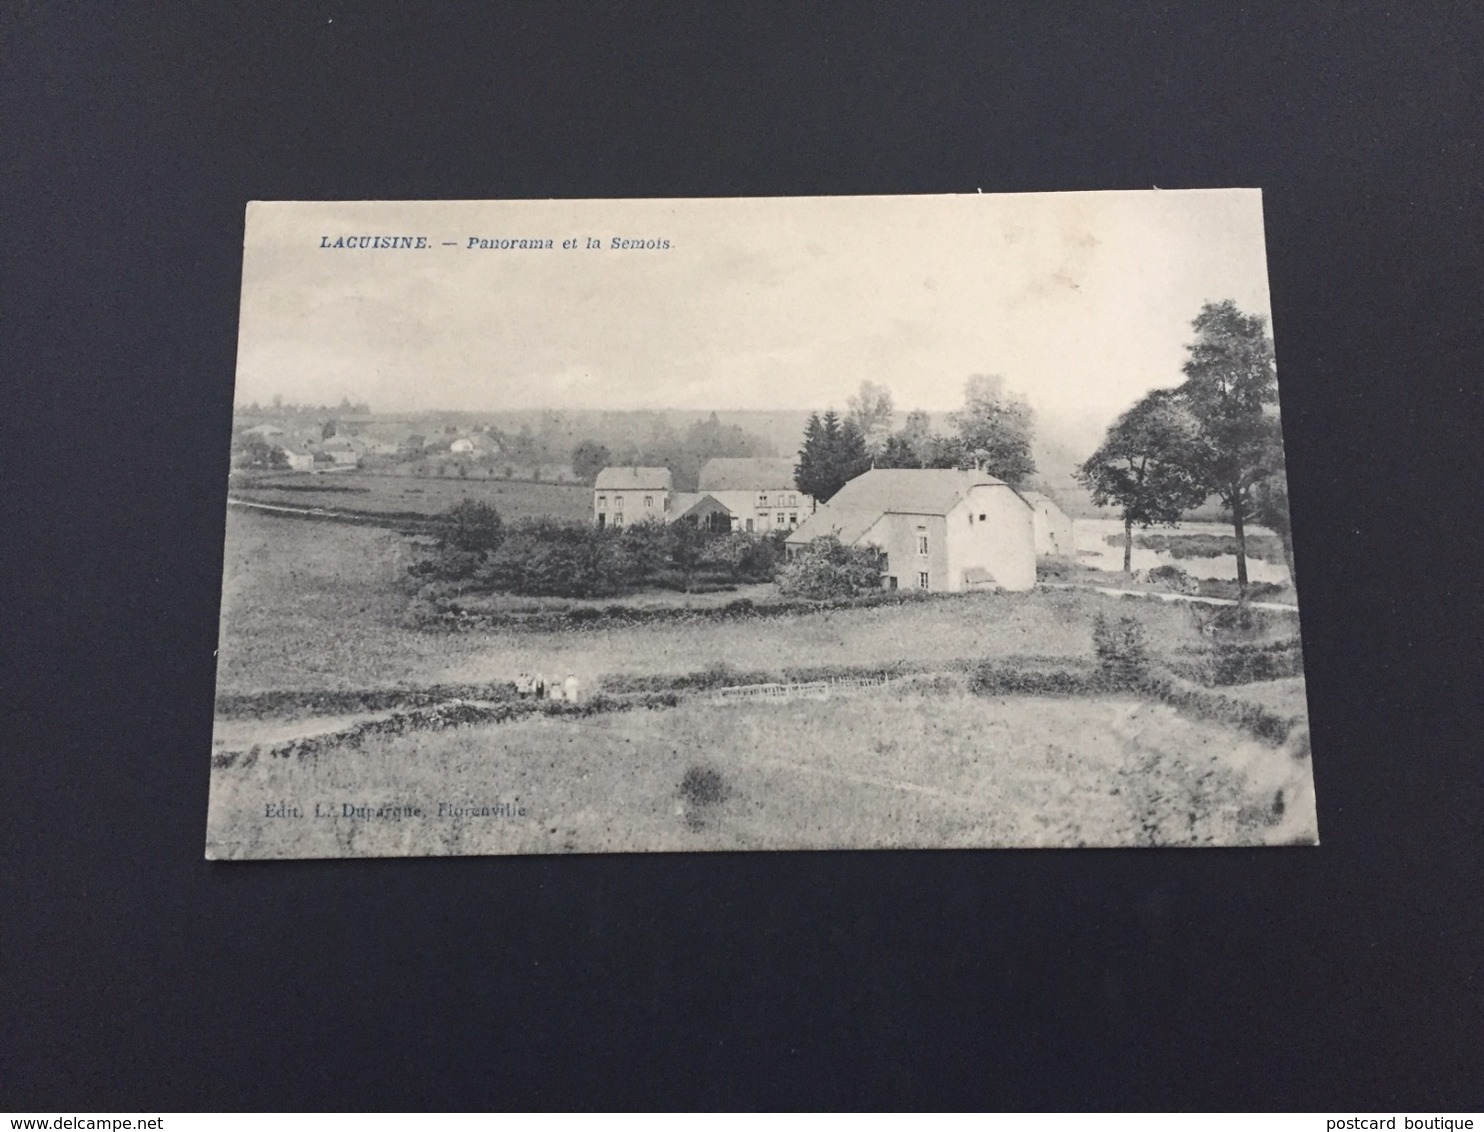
pixel 624 496
pixel 941 529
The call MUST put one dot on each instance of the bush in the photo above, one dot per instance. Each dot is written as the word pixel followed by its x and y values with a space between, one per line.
pixel 1050 568
pixel 545 558
pixel 1007 680
pixel 1122 650
pixel 471 525
pixel 826 568
pixel 1173 578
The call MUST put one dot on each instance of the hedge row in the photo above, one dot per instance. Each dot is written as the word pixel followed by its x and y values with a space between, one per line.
pixel 1003 680
pixel 1266 725
pixel 1230 664
pixel 259 705
pixel 725 676
pixel 457 619
pixel 439 718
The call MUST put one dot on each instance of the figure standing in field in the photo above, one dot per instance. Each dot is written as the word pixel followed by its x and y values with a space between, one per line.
pixel 554 689
pixel 540 688
pixel 571 688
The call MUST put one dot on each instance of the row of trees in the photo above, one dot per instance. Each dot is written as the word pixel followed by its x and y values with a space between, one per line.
pixel 683 453
pixel 548 557
pixel 1216 434
pixel 992 430
pixel 346 405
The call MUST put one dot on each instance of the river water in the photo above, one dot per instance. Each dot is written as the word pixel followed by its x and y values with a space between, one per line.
pixel 1094 550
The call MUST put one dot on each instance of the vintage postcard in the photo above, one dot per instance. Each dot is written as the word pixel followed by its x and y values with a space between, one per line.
pixel 811 523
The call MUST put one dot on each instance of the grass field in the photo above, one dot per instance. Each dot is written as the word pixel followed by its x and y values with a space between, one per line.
pixel 384 495
pixel 898 769
pixel 323 606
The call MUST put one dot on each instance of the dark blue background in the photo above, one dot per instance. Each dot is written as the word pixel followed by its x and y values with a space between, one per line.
pixel 134 975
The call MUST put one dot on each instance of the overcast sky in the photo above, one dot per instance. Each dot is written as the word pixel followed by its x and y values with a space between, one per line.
pixel 1082 301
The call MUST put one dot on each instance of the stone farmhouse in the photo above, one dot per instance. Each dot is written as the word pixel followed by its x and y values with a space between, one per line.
pixel 941 529
pixel 1053 528
pixel 759 492
pixel 624 496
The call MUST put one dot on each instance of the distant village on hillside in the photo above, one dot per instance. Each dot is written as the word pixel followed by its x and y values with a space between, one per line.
pixel 548 445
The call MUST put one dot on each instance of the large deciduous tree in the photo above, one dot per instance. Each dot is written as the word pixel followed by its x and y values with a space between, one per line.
pixel 588 459
pixel 996 426
pixel 1231 390
pixel 1148 466
pixel 871 411
pixel 1270 505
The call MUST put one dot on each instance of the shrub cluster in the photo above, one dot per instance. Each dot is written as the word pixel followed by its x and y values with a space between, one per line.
pixel 1122 650
pixel 1269 548
pixel 1173 578
pixel 545 557
pixel 1051 568
pixel 827 568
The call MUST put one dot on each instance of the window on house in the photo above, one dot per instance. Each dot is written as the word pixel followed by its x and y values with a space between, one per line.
pixel 602 501
pixel 981 518
pixel 793 520
pixel 780 518
pixel 618 501
pixel 762 500
pixel 922 544
pixel 749 524
pixel 793 500
pixel 922 581
pixel 618 519
pixel 649 501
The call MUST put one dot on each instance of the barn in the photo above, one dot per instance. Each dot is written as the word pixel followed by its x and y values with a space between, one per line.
pixel 1053 528
pixel 942 529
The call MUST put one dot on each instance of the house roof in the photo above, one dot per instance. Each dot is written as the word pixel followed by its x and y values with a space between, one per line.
pixel 856 507
pixel 633 479
pixel 847 525
pixel 1036 498
pixel 753 473
pixel 911 491
pixel 684 502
